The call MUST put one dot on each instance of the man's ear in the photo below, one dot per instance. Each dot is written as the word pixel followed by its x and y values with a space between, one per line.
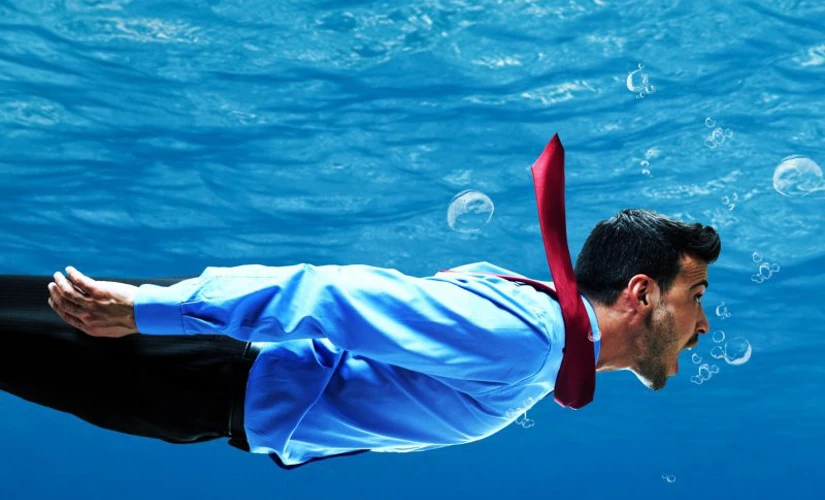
pixel 642 289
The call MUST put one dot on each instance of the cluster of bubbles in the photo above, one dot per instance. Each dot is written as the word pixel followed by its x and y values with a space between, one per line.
pixel 797 176
pixel 766 269
pixel 669 478
pixel 638 82
pixel 469 211
pixel 645 164
pixel 735 352
pixel 718 136
pixel 722 311
pixel 521 414
pixel 730 201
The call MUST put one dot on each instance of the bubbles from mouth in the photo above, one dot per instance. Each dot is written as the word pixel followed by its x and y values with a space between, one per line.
pixel 735 352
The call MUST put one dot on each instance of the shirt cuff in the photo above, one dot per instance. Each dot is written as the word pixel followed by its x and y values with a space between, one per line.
pixel 158 309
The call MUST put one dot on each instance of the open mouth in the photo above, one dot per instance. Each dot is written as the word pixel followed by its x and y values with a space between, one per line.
pixel 689 345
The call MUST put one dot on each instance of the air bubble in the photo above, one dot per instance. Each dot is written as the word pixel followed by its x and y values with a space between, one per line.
pixel 774 268
pixel 722 311
pixel 522 419
pixel 704 371
pixel 670 478
pixel 714 369
pixel 469 211
pixel 636 80
pixel 525 422
pixel 696 380
pixel 797 176
pixel 696 358
pixel 757 257
pixel 639 82
pixel 729 201
pixel 718 352
pixel 738 351
pixel 709 123
pixel 718 336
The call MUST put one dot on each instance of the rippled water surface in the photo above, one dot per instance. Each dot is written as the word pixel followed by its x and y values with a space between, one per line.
pixel 143 138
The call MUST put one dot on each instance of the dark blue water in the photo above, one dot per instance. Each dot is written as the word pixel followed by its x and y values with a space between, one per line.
pixel 143 138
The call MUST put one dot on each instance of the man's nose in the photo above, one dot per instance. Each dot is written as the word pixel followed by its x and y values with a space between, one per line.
pixel 703 326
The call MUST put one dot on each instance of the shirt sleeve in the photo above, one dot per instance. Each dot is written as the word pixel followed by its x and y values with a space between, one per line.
pixel 425 325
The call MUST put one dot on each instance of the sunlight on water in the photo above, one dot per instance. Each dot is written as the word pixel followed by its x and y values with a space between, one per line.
pixel 815 56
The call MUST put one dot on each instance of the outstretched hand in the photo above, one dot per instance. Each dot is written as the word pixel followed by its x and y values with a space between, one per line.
pixel 98 308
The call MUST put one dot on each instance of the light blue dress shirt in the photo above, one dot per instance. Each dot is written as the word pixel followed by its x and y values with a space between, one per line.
pixel 358 357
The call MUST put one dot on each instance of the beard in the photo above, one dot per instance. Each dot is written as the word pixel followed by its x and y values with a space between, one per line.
pixel 660 338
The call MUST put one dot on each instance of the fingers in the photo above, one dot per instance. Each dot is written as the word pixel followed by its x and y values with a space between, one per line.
pixel 67 301
pixel 65 316
pixel 64 294
pixel 83 284
pixel 89 327
pixel 80 303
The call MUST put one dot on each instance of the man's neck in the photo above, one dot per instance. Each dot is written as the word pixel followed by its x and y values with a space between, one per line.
pixel 614 352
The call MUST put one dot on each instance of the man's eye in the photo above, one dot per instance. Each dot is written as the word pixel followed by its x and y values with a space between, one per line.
pixel 698 298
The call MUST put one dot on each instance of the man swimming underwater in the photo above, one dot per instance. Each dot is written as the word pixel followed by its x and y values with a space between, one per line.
pixel 308 362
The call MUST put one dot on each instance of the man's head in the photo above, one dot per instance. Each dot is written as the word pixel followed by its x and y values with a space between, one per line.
pixel 645 274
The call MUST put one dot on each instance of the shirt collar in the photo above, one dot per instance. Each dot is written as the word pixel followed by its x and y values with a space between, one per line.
pixel 594 326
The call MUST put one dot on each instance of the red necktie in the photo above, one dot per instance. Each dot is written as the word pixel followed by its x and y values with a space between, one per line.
pixel 576 381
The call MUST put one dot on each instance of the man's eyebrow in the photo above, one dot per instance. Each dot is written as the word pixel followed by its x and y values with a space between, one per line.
pixel 703 282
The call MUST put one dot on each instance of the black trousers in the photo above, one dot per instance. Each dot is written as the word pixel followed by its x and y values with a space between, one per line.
pixel 180 389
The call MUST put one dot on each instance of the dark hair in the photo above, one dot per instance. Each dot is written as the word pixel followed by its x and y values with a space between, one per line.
pixel 636 241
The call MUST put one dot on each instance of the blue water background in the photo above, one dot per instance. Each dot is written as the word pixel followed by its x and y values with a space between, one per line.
pixel 148 138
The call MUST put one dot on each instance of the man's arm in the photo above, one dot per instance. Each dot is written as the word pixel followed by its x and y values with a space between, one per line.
pixel 429 326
